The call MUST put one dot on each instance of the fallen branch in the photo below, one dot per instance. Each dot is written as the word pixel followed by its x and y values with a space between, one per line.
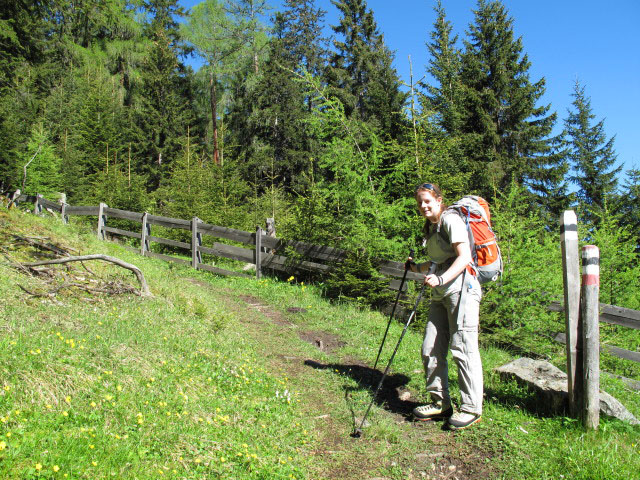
pixel 144 288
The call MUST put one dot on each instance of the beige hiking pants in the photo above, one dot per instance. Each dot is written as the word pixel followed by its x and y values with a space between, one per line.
pixel 442 332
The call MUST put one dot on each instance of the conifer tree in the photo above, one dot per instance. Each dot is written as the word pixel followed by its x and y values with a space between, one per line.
pixel 210 30
pixel 591 155
pixel 361 73
pixel 445 96
pixel 163 117
pixel 300 28
pixel 506 135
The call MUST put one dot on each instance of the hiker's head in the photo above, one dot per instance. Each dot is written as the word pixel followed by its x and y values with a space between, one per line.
pixel 430 201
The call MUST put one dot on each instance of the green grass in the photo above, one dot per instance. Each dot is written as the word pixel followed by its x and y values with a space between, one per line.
pixel 130 388
pixel 177 386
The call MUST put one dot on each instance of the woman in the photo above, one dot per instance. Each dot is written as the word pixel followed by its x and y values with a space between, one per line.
pixel 449 260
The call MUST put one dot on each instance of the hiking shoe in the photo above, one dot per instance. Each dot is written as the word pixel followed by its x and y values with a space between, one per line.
pixel 432 411
pixel 462 420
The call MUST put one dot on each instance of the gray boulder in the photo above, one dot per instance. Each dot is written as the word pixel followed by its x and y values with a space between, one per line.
pixel 550 384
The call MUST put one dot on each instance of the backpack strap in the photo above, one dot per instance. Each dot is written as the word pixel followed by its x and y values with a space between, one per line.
pixel 445 236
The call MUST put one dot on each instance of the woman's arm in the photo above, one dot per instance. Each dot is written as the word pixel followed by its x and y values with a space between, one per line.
pixel 463 258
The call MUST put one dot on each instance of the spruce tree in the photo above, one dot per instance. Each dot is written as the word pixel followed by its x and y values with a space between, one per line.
pixel 444 97
pixel 506 135
pixel 163 116
pixel 361 73
pixel 591 155
pixel 300 29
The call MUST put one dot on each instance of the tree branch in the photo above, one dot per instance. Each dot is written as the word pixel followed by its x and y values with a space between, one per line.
pixel 144 288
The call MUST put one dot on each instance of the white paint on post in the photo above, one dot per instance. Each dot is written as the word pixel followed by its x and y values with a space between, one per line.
pixel 571 278
pixel 63 213
pixel 591 334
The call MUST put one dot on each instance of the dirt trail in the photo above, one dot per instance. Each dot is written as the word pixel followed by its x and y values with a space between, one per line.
pixel 425 450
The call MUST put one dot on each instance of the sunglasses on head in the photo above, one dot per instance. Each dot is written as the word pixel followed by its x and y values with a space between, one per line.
pixel 426 186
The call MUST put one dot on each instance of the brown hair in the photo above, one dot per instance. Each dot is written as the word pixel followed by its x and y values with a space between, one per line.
pixel 431 187
pixel 435 189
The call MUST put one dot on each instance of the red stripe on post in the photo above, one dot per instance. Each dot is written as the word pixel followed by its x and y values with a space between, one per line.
pixel 590 279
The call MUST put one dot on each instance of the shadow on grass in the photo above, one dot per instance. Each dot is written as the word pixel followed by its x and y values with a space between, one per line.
pixel 367 378
pixel 519 397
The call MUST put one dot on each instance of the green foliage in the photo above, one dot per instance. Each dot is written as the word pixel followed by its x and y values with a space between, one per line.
pixel 41 165
pixel 506 134
pixel 355 278
pixel 532 270
pixel 361 74
pixel 619 261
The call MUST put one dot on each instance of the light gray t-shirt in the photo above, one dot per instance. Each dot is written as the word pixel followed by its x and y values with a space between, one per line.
pixel 441 252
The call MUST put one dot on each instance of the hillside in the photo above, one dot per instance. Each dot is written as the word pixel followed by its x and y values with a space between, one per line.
pixel 214 377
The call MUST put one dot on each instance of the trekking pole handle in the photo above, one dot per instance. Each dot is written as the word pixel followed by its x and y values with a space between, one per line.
pixel 407 264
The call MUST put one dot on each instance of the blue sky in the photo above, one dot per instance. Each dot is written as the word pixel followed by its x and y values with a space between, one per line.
pixel 593 41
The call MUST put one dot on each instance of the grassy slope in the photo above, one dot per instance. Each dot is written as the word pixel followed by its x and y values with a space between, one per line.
pixel 197 383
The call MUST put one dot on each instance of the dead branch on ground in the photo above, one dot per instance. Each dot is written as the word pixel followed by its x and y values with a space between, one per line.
pixel 144 288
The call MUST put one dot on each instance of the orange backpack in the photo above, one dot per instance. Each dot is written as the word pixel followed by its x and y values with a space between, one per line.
pixel 485 252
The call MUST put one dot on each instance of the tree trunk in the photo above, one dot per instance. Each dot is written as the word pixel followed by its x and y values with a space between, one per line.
pixel 214 117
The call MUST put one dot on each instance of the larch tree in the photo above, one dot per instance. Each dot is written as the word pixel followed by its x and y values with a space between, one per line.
pixel 210 30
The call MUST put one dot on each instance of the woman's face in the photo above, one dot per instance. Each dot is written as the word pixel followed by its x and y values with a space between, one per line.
pixel 429 205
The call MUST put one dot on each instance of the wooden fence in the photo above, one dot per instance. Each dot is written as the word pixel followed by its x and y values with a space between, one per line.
pixel 263 250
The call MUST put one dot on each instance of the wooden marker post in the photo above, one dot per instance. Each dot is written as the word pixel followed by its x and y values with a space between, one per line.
pixel 571 277
pixel 590 304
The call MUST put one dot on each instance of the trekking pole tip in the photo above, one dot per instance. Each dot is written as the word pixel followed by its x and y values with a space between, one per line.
pixel 357 433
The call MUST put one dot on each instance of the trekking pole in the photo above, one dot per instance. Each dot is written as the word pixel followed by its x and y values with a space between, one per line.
pixel 393 310
pixel 357 432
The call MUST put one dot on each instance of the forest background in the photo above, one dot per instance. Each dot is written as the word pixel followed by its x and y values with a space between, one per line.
pixel 97 100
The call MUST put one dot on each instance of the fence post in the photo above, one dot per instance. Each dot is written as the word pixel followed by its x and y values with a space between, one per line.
pixel 196 241
pixel 63 207
pixel 102 221
pixel 14 199
pixel 590 304
pixel 145 233
pixel 37 206
pixel 63 213
pixel 258 253
pixel 571 278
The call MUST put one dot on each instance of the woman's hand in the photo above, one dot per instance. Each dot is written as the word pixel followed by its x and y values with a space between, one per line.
pixel 432 280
